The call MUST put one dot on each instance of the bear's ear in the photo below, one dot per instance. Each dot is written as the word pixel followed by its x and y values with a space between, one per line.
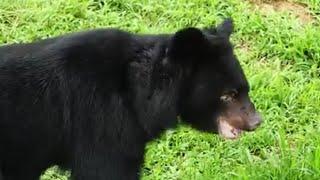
pixel 187 44
pixel 225 28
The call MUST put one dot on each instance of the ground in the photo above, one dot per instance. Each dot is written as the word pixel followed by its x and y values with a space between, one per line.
pixel 278 44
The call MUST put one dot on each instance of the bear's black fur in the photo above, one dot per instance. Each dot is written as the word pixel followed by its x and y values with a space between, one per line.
pixel 90 101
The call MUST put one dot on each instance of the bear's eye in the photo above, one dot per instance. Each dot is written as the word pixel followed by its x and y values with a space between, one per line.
pixel 226 98
pixel 229 96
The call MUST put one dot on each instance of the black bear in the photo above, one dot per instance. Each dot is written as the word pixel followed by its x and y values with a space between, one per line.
pixel 90 101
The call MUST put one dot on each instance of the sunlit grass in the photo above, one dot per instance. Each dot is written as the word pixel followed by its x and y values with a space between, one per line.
pixel 279 53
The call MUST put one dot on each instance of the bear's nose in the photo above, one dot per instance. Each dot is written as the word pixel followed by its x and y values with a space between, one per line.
pixel 255 121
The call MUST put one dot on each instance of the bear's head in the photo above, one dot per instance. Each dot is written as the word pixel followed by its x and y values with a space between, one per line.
pixel 213 94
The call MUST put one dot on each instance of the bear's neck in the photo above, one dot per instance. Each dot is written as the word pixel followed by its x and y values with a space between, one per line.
pixel 153 98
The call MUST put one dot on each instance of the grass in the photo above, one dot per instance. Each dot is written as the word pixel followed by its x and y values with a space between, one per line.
pixel 279 53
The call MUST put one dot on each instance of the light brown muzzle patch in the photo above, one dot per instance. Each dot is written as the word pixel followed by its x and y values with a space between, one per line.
pixel 238 116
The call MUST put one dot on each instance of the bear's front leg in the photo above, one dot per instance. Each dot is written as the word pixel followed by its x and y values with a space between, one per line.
pixel 103 164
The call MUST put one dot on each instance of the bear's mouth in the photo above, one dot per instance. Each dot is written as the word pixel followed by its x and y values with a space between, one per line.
pixel 228 131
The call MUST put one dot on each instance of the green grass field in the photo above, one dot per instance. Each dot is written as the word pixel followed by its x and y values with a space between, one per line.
pixel 278 44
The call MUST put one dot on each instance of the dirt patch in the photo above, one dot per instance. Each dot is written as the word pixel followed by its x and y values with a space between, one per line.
pixel 297 9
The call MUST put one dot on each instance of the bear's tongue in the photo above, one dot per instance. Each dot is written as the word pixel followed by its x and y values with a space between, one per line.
pixel 228 131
